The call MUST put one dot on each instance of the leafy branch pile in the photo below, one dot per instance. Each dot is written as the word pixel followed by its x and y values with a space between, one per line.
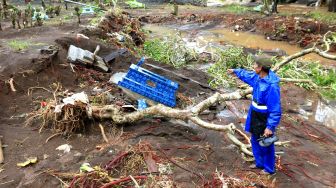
pixel 230 58
pixel 170 50
pixel 322 80
pixel 325 79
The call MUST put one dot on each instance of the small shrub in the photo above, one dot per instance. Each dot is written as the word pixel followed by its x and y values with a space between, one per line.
pixel 326 17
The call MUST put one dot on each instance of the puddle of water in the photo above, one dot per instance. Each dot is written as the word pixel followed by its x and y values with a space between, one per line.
pixel 326 114
pixel 259 42
pixel 207 38
pixel 159 31
pixel 225 114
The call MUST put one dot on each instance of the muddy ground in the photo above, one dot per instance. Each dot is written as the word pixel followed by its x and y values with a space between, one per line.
pixel 307 162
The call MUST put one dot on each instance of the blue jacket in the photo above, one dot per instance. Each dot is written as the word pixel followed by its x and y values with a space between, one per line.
pixel 266 97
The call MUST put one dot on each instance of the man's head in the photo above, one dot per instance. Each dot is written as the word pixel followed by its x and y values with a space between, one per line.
pixel 262 64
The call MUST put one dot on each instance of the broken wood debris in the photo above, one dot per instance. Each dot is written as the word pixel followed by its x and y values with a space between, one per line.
pixel 86 58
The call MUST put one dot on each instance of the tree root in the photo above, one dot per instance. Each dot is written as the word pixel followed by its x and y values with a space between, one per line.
pixel 11 84
pixel 103 133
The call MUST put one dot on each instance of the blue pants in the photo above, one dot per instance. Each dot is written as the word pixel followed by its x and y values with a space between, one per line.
pixel 264 156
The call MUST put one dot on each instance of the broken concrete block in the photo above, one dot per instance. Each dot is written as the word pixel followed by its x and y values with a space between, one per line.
pixel 85 57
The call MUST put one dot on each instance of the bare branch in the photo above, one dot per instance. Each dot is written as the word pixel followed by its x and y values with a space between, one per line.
pixel 308 51
pixel 299 81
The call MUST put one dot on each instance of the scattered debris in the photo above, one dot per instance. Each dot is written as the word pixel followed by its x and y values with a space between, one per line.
pixel 86 167
pixel 121 23
pixel 149 84
pixel 86 58
pixel 11 84
pixel 76 98
pixel 29 161
pixel 65 148
pixel 117 77
pixel 142 104
pixel 112 56
pixel 88 10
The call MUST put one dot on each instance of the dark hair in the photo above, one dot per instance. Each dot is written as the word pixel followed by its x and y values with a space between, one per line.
pixel 265 69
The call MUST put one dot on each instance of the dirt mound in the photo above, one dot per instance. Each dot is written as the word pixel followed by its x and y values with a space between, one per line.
pixel 114 25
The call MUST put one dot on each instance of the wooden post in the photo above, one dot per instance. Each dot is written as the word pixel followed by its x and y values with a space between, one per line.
pixel 1 152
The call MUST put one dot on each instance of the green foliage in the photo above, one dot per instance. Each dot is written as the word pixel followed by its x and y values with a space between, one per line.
pixel 39 19
pixel 78 11
pixel 114 2
pixel 238 9
pixel 18 45
pixel 325 79
pixel 67 17
pixel 50 11
pixel 95 21
pixel 135 4
pixel 57 10
pixel 230 58
pixel 170 50
pixel 43 4
pixel 326 17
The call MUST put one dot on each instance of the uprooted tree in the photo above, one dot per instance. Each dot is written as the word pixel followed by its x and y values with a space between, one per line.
pixel 70 117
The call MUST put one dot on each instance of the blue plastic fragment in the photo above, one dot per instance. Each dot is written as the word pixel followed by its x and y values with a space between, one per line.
pixel 150 85
pixel 142 104
pixel 142 60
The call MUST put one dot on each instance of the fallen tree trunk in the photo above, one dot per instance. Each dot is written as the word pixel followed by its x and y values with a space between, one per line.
pixel 114 112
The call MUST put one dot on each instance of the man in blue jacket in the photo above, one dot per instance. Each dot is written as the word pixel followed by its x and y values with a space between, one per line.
pixel 265 111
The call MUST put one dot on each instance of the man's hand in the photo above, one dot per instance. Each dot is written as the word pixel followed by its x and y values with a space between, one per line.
pixel 230 71
pixel 267 132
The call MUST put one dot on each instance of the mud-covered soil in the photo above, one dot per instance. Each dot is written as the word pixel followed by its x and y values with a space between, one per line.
pixel 295 29
pixel 307 162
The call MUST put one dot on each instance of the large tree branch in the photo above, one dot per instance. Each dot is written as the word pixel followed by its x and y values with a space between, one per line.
pixel 115 113
pixel 314 49
pixel 299 81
